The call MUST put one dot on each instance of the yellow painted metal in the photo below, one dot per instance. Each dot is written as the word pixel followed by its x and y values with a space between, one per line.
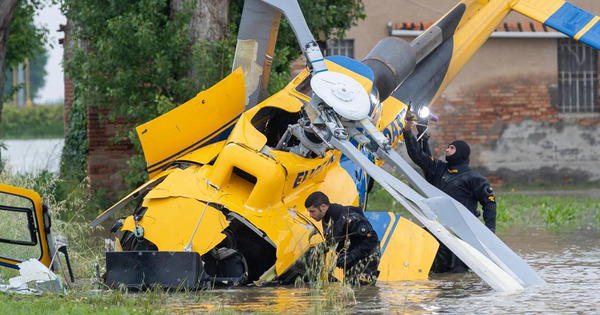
pixel 392 120
pixel 287 228
pixel 365 82
pixel 187 128
pixel 477 24
pixel 39 219
pixel 263 196
pixel 186 183
pixel 587 27
pixel 245 134
pixel 409 252
pixel 301 171
pixel 264 186
pixel 539 10
pixel 127 199
pixel 169 223
pixel 204 154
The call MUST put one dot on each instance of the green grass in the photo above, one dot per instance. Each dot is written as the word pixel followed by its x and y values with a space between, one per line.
pixel 511 188
pixel 547 211
pixel 517 210
pixel 80 302
pixel 37 122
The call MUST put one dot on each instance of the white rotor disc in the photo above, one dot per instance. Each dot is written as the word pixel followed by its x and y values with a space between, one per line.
pixel 346 96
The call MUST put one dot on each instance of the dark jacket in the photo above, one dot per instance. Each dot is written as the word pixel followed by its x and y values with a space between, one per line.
pixel 342 223
pixel 458 181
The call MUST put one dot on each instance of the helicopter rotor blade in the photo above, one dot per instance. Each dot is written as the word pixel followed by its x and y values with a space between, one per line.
pixel 463 223
pixel 490 272
pixel 310 48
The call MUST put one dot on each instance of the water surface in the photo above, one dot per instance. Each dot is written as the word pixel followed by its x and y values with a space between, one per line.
pixel 569 261
pixel 33 155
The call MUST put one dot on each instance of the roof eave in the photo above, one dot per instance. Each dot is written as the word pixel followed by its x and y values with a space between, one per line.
pixel 415 33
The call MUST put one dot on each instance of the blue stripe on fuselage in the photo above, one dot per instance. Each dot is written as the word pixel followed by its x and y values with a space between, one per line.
pixel 358 175
pixel 381 221
pixel 217 135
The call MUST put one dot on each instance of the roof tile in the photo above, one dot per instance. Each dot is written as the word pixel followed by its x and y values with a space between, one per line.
pixel 502 27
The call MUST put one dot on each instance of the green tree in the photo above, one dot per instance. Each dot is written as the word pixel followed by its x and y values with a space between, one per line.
pixel 142 58
pixel 19 37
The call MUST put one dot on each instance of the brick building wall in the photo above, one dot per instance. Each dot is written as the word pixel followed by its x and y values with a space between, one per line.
pixel 108 155
pixel 516 133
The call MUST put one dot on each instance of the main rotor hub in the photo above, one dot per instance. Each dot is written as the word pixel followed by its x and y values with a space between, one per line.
pixel 346 96
pixel 342 92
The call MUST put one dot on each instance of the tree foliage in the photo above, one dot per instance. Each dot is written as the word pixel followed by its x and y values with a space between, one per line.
pixel 26 40
pixel 136 56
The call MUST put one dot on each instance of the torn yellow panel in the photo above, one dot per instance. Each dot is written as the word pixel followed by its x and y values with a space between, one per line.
pixel 170 223
pixel 246 134
pixel 180 183
pixel 204 155
pixel 207 118
pixel 134 194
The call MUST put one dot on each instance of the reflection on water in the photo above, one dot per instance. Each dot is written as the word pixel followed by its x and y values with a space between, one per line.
pixel 33 155
pixel 568 261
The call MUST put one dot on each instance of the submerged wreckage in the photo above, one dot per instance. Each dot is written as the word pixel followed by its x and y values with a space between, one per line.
pixel 230 169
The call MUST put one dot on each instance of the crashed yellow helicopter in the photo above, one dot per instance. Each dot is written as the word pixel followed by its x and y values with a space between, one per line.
pixel 230 169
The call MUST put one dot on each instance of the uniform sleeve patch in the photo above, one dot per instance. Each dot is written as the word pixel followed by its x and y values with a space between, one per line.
pixel 363 230
pixel 492 198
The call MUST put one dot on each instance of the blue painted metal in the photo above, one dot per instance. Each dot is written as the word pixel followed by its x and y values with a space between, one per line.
pixel 353 65
pixel 569 19
pixel 382 223
pixel 592 36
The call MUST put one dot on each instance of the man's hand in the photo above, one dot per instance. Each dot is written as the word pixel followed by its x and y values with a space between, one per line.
pixel 344 260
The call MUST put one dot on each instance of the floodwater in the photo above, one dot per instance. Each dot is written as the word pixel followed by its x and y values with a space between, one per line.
pixel 33 155
pixel 569 261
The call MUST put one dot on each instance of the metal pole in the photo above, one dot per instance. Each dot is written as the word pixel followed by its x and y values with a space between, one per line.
pixel 15 83
pixel 28 102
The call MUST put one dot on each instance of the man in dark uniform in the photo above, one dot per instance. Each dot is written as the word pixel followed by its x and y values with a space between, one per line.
pixel 455 178
pixel 356 242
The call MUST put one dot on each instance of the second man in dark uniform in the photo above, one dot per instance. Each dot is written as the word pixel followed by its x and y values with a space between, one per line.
pixel 455 178
pixel 355 240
